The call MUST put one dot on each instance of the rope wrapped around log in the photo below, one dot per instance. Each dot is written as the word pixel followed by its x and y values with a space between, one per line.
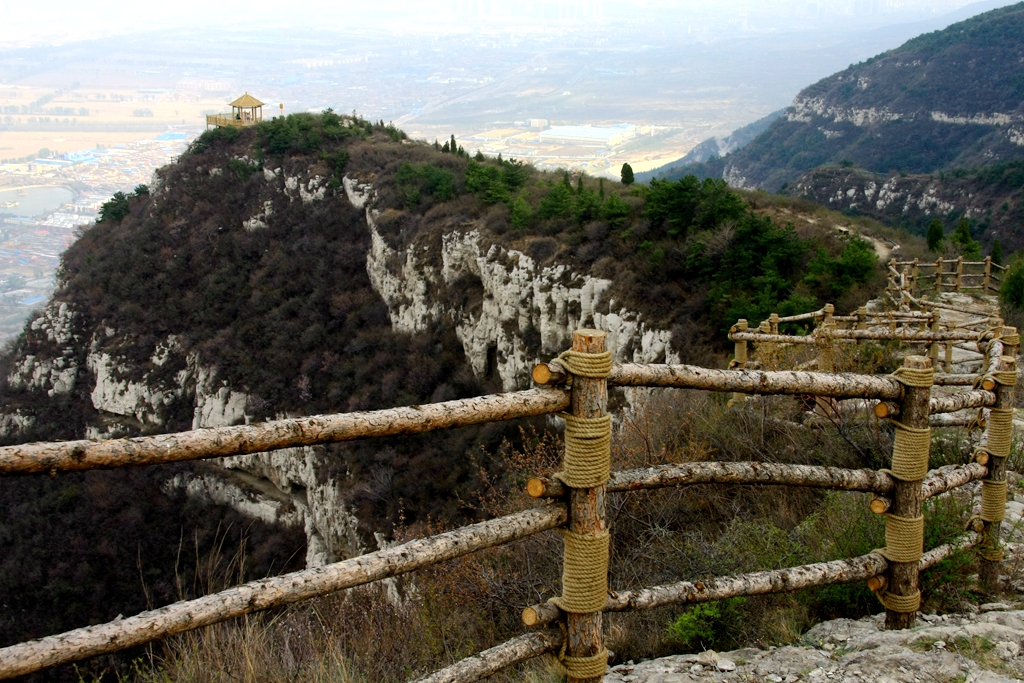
pixel 581 667
pixel 588 449
pixel 1011 339
pixel 590 365
pixel 910 452
pixel 993 500
pixel 999 435
pixel 584 573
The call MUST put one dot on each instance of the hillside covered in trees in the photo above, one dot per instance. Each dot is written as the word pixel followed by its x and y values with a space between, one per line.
pixel 240 280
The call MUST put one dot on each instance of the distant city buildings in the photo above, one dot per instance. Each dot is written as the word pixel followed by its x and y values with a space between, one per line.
pixel 589 136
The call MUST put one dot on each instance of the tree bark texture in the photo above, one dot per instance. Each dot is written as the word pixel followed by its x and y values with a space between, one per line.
pixel 835 385
pixel 24 658
pixel 943 379
pixel 756 583
pixel 961 400
pixel 584 632
pixel 493 660
pixel 690 473
pixel 69 456
pixel 906 498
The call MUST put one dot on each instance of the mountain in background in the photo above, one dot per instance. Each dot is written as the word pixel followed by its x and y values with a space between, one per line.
pixel 938 109
pixel 712 148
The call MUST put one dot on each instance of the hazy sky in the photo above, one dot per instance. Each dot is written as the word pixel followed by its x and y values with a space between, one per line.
pixel 24 22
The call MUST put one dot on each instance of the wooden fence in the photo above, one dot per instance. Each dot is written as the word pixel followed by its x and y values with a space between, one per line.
pixel 573 501
pixel 949 274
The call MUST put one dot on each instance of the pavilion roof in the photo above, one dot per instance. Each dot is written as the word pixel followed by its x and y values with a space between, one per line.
pixel 246 101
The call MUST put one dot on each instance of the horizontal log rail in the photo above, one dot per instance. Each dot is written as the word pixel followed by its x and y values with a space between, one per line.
pixel 823 333
pixel 955 420
pixel 25 658
pixel 786 382
pixel 490 662
pixel 70 456
pixel 937 481
pixel 693 473
pixel 801 316
pixel 756 583
pixel 956 379
pixel 961 400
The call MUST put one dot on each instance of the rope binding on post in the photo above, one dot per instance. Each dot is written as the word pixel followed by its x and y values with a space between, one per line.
pixel 993 500
pixel 910 452
pixel 999 435
pixel 584 574
pixel 589 365
pixel 580 667
pixel 915 377
pixel 588 449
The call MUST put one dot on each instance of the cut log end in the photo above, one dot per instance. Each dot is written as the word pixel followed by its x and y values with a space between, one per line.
pixel 882 410
pixel 988 384
pixel 877 583
pixel 536 487
pixel 977 526
pixel 530 617
pixel 548 374
pixel 981 457
pixel 880 506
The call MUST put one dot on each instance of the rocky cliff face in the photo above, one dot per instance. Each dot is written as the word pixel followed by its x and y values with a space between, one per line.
pixel 524 313
pixel 513 312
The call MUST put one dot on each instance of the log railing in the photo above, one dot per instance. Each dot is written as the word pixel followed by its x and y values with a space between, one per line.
pixel 951 274
pixel 569 503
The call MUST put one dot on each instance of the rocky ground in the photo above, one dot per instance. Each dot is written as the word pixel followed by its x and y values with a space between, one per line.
pixel 982 647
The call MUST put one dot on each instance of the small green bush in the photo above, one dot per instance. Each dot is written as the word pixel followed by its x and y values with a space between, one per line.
pixel 710 626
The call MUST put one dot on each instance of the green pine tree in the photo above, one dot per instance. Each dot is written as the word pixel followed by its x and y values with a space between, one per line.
pixel 935 234
pixel 961 237
pixel 997 252
pixel 600 184
pixel 627 174
pixel 579 184
pixel 454 145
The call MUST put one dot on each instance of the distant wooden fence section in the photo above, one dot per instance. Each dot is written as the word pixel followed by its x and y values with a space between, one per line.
pixel 576 385
pixel 948 274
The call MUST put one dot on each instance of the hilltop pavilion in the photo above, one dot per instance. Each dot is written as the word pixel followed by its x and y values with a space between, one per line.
pixel 245 111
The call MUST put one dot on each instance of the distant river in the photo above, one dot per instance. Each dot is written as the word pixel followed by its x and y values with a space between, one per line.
pixel 36 202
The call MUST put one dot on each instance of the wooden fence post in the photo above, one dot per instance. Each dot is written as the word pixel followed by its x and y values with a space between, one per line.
pixel 862 318
pixel 1011 341
pixel 933 348
pixel 913 280
pixel 988 273
pixel 938 277
pixel 959 272
pixel 904 527
pixel 773 321
pixel 587 527
pixel 998 443
pixel 740 357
